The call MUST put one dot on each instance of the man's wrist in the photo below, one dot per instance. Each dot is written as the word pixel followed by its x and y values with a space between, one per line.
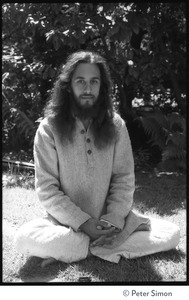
pixel 111 225
pixel 108 223
pixel 83 226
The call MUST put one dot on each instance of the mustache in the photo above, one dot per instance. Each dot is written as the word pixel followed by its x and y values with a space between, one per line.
pixel 87 95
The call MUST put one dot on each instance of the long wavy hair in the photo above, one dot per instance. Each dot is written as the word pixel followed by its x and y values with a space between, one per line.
pixel 59 107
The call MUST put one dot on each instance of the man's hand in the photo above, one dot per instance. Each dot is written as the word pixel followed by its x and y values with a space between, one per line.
pixel 106 239
pixel 95 229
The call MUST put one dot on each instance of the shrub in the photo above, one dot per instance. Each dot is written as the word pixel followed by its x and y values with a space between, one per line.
pixel 168 132
pixel 23 180
pixel 142 158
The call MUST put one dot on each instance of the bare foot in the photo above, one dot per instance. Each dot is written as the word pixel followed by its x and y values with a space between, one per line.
pixel 47 261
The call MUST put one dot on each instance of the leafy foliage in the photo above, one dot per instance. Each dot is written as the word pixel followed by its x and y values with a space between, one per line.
pixel 142 159
pixel 141 42
pixel 23 180
pixel 169 133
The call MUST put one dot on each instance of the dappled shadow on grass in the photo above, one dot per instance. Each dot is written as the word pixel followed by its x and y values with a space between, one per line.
pixel 163 194
pixel 132 271
pixel 32 270
pixel 170 260
pixel 143 269
pixel 173 255
pixel 100 271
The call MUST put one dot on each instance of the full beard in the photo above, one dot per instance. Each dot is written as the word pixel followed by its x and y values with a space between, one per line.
pixel 84 112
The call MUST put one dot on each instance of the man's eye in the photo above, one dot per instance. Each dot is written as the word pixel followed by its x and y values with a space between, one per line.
pixel 80 81
pixel 94 81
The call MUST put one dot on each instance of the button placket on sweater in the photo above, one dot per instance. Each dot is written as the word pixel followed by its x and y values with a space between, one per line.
pixel 88 147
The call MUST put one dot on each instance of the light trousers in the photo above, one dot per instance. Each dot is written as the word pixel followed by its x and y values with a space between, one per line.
pixel 44 238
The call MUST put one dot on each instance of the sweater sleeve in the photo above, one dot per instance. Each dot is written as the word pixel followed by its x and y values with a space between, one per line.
pixel 122 185
pixel 47 181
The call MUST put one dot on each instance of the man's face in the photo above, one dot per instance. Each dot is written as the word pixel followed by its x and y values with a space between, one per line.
pixel 85 84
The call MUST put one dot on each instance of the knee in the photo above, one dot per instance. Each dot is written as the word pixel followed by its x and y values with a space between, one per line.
pixel 175 235
pixel 172 235
pixel 167 231
pixel 20 239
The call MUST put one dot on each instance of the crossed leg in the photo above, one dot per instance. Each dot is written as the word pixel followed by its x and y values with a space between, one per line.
pixel 163 236
pixel 45 239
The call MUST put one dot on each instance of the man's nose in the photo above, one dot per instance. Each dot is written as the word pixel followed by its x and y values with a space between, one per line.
pixel 87 87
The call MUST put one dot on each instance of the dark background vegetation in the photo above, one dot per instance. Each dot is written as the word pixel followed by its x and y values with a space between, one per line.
pixel 145 47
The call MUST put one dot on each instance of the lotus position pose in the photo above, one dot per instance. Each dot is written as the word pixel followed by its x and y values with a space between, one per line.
pixel 84 174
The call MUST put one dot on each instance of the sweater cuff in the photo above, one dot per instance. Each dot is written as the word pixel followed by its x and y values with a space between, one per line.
pixel 79 221
pixel 109 223
pixel 115 219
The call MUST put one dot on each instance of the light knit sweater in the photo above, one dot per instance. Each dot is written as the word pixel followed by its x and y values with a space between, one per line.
pixel 77 181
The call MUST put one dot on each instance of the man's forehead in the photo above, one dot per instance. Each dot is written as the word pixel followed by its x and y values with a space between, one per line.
pixel 87 69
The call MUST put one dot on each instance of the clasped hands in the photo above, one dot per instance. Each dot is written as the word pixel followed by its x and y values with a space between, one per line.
pixel 100 232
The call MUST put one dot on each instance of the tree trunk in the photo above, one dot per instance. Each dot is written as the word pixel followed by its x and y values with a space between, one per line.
pixel 177 93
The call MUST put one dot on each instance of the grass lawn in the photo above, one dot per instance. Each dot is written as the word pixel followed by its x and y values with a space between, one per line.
pixel 162 196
